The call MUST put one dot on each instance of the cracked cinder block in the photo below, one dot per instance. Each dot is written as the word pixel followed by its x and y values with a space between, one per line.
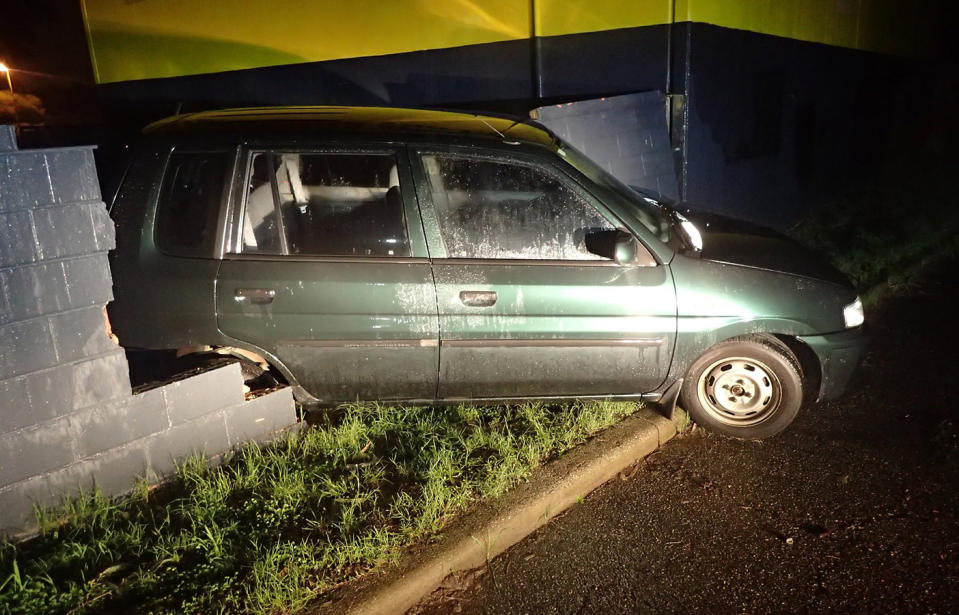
pixel 101 379
pixel 619 133
pixel 622 166
pixel 80 333
pixel 636 144
pixel 64 231
pixel 36 450
pixel 206 435
pixel 27 347
pixel 6 310
pixel 109 426
pixel 15 409
pixel 24 180
pixel 103 229
pixel 8 138
pixel 51 392
pixel 17 246
pixel 87 280
pixel 73 175
pixel 204 393
pixel 114 472
pixel 657 164
pixel 665 184
pixel 35 290
pixel 17 502
pixel 57 391
pixel 258 418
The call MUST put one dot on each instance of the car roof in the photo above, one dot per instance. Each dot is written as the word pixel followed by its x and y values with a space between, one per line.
pixel 372 121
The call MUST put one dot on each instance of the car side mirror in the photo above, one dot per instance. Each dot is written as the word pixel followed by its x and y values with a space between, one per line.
pixel 616 245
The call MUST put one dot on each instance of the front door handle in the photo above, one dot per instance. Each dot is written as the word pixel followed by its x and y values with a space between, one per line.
pixel 256 296
pixel 477 298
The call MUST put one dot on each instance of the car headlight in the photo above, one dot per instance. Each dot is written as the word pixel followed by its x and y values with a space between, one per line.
pixel 695 237
pixel 853 314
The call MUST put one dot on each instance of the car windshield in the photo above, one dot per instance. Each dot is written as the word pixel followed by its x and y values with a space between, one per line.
pixel 646 209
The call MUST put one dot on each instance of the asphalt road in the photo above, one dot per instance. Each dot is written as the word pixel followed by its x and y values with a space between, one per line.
pixel 854 509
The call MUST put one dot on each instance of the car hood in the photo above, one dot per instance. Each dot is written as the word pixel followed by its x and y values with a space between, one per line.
pixel 728 240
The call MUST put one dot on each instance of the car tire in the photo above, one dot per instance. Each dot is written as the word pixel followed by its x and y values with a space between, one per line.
pixel 746 387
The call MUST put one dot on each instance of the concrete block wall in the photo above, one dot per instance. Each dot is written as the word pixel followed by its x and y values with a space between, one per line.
pixel 68 418
pixel 627 135
pixel 145 435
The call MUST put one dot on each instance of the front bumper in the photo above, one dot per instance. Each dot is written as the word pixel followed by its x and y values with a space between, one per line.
pixel 839 355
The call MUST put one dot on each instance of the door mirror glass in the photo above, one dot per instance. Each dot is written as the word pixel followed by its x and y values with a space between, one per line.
pixel 616 245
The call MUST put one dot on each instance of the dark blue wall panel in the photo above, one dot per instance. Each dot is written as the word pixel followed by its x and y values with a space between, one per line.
pixel 776 124
pixel 769 125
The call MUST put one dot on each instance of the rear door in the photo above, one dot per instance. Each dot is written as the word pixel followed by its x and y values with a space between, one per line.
pixel 524 309
pixel 328 271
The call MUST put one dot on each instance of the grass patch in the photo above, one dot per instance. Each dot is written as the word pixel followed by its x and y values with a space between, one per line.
pixel 274 527
pixel 877 231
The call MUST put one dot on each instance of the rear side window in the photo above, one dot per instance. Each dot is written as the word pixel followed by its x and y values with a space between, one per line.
pixel 189 203
pixel 324 204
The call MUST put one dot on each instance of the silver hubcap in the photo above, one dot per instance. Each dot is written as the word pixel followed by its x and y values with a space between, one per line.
pixel 739 391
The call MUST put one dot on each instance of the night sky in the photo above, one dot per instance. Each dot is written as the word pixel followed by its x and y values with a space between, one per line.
pixel 44 43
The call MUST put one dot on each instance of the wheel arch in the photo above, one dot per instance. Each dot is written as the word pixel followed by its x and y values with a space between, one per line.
pixel 793 389
pixel 808 362
pixel 300 393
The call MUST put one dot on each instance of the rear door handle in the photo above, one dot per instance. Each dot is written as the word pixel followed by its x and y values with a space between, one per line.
pixel 477 298
pixel 256 296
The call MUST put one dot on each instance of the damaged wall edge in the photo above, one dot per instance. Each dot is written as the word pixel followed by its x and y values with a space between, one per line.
pixel 68 417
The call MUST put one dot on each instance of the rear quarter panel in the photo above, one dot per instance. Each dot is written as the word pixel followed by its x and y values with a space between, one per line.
pixel 161 301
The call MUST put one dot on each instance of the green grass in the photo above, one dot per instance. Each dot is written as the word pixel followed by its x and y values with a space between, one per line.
pixel 877 231
pixel 274 527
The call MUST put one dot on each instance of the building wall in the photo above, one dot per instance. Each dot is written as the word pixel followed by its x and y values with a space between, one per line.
pixel 772 105
pixel 774 126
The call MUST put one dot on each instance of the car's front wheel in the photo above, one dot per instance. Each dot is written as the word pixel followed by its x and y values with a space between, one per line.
pixel 746 387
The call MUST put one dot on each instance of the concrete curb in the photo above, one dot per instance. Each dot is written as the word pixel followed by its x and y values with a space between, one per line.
pixel 492 527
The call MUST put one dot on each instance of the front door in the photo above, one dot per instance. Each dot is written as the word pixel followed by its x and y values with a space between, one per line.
pixel 329 273
pixel 524 309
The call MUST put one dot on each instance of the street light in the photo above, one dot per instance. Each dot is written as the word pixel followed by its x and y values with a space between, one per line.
pixel 6 71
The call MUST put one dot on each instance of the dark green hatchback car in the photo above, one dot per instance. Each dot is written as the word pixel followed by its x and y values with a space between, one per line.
pixel 423 256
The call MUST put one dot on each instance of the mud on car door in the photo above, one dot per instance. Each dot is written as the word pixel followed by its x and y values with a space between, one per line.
pixel 328 272
pixel 524 308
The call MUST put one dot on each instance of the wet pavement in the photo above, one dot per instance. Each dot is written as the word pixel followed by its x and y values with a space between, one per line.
pixel 855 508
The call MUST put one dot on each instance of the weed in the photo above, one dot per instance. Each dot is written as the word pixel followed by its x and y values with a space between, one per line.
pixel 877 230
pixel 274 527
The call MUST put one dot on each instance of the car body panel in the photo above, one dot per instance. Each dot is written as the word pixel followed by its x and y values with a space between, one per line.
pixel 347 328
pixel 557 329
pixel 839 356
pixel 719 301
pixel 727 240
pixel 176 307
pixel 562 327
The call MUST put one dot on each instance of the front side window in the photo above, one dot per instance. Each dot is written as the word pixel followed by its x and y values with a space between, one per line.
pixel 189 203
pixel 494 209
pixel 327 204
